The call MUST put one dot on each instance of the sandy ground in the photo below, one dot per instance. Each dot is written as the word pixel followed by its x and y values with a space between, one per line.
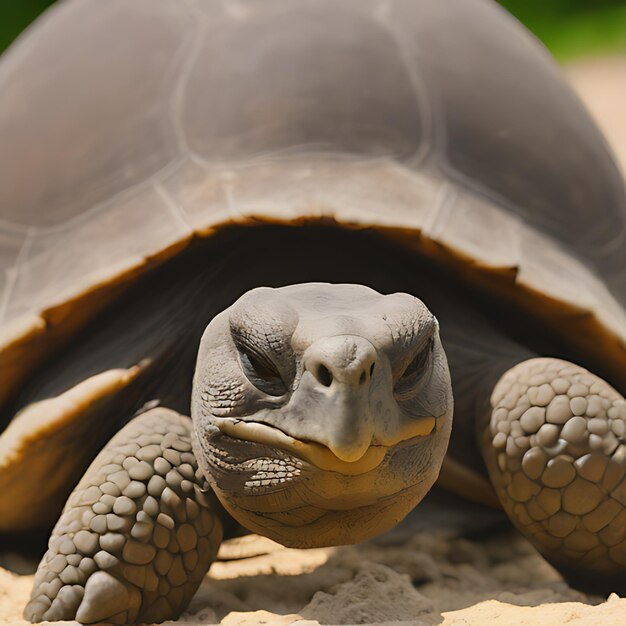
pixel 601 83
pixel 423 580
pixel 410 576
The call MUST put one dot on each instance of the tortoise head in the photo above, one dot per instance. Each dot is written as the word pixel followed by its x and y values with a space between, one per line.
pixel 321 412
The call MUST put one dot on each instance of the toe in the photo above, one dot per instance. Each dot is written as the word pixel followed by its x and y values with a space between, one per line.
pixel 137 534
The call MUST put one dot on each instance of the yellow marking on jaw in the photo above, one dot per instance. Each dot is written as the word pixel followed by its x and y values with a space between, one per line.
pixel 318 454
pixel 415 428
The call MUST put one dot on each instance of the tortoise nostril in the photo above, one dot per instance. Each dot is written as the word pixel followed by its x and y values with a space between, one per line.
pixel 324 376
pixel 341 361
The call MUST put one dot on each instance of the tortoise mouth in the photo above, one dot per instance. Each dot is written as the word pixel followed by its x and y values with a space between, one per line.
pixel 314 453
pixel 275 490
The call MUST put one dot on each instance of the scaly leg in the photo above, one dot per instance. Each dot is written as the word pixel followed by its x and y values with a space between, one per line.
pixel 555 449
pixel 136 536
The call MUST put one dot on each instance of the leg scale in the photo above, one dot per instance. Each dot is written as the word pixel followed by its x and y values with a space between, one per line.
pixel 555 449
pixel 136 536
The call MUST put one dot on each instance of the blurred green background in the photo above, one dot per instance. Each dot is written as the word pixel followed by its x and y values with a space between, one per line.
pixel 570 28
pixel 16 15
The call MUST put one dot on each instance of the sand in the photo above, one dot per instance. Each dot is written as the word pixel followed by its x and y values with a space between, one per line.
pixel 418 578
pixel 423 580
pixel 601 83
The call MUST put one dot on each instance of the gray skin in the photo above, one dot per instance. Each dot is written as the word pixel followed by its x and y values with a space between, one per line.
pixel 321 416
pixel 345 398
pixel 405 117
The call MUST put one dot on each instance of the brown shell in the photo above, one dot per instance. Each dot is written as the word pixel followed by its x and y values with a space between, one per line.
pixel 130 127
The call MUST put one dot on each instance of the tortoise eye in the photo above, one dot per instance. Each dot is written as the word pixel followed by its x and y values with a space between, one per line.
pixel 409 382
pixel 261 372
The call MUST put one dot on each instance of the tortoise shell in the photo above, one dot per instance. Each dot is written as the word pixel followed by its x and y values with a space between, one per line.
pixel 130 128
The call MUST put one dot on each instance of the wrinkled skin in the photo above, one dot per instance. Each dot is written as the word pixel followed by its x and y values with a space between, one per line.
pixel 321 412
pixel 320 416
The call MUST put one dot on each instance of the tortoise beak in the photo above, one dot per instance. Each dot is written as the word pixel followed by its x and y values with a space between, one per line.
pixel 342 417
pixel 312 452
pixel 335 387
pixel 345 397
pixel 334 429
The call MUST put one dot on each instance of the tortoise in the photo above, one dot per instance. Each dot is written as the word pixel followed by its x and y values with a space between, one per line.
pixel 377 206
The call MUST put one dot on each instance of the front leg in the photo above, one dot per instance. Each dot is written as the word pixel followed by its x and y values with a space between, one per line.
pixel 136 536
pixel 555 449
